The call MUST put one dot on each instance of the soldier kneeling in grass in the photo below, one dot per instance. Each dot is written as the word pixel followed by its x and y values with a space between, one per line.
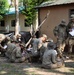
pixel 50 59
pixel 14 52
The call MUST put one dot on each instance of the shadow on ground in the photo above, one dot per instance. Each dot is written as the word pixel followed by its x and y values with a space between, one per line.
pixel 33 68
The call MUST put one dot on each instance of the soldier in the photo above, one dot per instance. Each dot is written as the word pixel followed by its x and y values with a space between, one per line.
pixel 50 57
pixel 61 35
pixel 3 46
pixel 17 38
pixel 70 30
pixel 14 53
pixel 38 47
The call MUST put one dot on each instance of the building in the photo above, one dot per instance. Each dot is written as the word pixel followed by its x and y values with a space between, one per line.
pixel 8 22
pixel 58 10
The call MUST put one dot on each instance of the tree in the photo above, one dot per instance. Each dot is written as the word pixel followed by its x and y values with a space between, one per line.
pixel 3 6
pixel 30 12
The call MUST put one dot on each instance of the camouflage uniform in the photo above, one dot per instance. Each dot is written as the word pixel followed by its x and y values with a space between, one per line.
pixel 61 34
pixel 70 26
pixel 3 41
pixel 37 45
pixel 50 56
pixel 13 53
pixel 38 48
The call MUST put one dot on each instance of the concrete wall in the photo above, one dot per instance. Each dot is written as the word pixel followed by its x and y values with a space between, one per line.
pixel 12 17
pixel 57 13
pixel 21 22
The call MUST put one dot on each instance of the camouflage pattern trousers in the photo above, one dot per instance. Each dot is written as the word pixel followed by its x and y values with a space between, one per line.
pixel 60 45
pixel 70 43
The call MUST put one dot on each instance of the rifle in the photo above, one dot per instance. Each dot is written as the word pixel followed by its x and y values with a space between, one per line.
pixel 38 28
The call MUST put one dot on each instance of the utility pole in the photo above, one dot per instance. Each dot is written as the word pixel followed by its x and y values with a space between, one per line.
pixel 17 26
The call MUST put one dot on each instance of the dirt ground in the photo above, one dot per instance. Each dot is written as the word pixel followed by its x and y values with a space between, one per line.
pixel 7 68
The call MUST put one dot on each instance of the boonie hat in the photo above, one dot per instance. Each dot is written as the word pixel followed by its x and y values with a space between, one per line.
pixel 51 45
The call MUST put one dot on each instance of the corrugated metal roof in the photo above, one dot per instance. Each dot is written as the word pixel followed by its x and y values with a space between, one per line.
pixel 11 11
pixel 56 2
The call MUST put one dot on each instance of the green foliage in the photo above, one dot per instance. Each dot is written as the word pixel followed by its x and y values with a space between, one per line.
pixel 30 12
pixel 3 6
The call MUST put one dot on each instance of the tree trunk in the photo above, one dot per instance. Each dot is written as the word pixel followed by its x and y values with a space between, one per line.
pixel 17 27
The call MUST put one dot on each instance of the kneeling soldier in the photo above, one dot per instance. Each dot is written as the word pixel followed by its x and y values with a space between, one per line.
pixel 50 56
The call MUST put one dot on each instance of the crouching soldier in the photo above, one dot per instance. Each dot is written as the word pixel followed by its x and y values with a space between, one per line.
pixel 14 53
pixel 50 56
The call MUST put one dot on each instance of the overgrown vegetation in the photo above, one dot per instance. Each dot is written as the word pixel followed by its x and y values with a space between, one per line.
pixel 3 6
pixel 30 12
